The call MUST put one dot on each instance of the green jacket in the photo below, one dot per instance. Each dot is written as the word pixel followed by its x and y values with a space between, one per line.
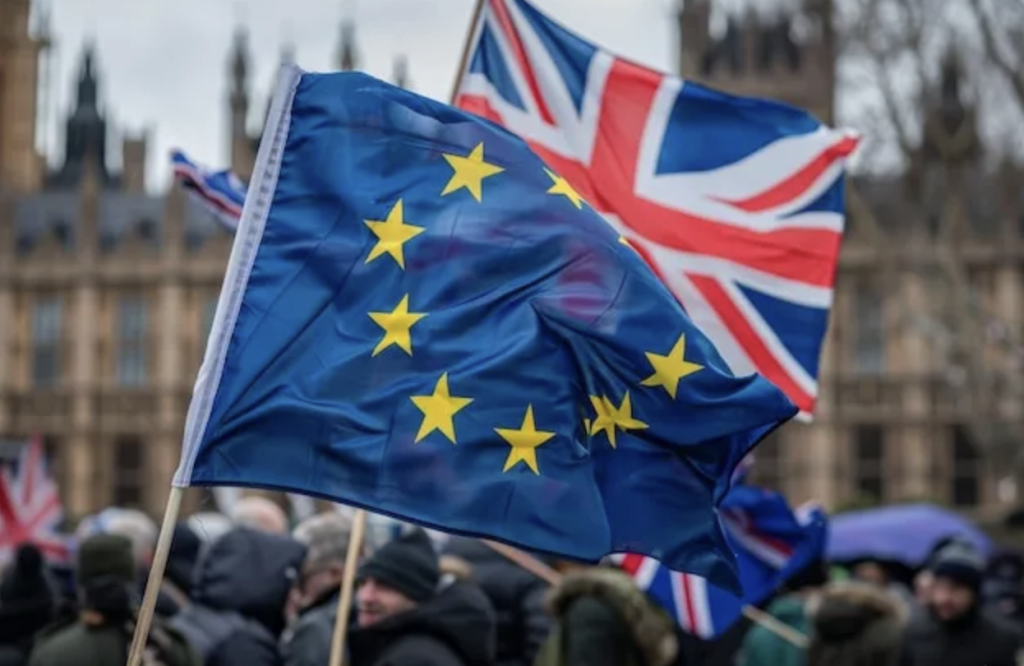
pixel 77 644
pixel 761 647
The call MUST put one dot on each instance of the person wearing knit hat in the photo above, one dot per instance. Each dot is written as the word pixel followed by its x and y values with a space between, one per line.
pixel 403 573
pixel 407 612
pixel 105 574
pixel 27 604
pixel 955 630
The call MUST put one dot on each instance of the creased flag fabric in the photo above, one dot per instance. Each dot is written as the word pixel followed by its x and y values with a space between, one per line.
pixel 772 543
pixel 737 203
pixel 222 193
pixel 421 318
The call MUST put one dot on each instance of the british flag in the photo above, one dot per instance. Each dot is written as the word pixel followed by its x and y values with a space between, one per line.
pixel 222 193
pixel 736 203
pixel 771 543
pixel 30 506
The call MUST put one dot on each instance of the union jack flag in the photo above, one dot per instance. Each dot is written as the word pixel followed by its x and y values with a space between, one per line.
pixel 771 542
pixel 222 193
pixel 736 203
pixel 30 506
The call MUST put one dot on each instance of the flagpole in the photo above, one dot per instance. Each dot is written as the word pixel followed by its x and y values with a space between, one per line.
pixel 156 576
pixel 355 546
pixel 467 47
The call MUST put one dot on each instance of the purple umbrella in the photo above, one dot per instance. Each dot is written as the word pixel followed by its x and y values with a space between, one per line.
pixel 905 534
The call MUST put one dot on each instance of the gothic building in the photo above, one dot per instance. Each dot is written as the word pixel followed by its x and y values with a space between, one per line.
pixel 107 291
pixel 896 421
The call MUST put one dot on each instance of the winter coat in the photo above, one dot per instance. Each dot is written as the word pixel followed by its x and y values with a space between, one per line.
pixel 309 641
pixel 454 628
pixel 762 647
pixel 975 640
pixel 603 619
pixel 239 595
pixel 856 624
pixel 518 598
pixel 79 644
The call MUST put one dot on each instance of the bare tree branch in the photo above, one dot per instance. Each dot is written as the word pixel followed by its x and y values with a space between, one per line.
pixel 1009 66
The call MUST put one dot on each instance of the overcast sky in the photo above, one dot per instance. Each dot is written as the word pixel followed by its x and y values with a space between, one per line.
pixel 164 62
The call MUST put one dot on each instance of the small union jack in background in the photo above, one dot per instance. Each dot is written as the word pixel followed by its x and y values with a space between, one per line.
pixel 222 193
pixel 30 506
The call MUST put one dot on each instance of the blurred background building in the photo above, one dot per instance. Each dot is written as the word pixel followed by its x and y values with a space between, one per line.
pixel 107 292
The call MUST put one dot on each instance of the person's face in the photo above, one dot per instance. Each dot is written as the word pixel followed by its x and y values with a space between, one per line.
pixel 871 572
pixel 949 599
pixel 377 602
pixel 317 580
pixel 923 586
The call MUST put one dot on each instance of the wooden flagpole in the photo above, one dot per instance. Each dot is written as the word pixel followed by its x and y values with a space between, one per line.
pixel 156 577
pixel 553 577
pixel 355 547
pixel 467 47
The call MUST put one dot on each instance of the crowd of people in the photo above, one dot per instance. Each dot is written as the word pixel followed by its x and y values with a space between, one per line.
pixel 254 593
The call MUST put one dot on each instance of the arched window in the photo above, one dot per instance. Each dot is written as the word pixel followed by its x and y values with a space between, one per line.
pixel 966 467
pixel 868 453
pixel 147 229
pixel 61 230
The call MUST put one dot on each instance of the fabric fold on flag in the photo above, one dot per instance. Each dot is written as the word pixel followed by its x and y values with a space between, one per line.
pixel 221 193
pixel 772 544
pixel 422 318
pixel 737 203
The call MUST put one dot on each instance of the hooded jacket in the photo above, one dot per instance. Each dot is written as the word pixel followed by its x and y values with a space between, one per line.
pixel 603 619
pixel 239 594
pixel 856 624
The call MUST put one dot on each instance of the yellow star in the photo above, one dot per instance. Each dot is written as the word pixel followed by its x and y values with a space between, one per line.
pixel 623 418
pixel 672 367
pixel 603 421
pixel 438 410
pixel 391 234
pixel 563 187
pixel 524 442
pixel 396 325
pixel 470 172
pixel 625 241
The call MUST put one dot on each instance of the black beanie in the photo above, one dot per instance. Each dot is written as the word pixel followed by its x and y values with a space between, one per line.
pixel 25 583
pixel 961 563
pixel 408 565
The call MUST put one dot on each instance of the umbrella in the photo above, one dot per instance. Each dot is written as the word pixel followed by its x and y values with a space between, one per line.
pixel 905 534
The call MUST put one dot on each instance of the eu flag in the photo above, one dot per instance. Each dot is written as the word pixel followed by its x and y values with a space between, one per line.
pixel 423 319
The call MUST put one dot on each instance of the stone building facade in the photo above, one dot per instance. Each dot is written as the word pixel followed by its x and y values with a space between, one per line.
pixel 107 291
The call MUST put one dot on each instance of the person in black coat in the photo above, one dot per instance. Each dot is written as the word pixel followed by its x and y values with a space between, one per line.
pixel 517 595
pixel 28 603
pixel 238 598
pixel 408 614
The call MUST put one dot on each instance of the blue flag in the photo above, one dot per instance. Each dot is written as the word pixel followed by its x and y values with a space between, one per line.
pixel 423 319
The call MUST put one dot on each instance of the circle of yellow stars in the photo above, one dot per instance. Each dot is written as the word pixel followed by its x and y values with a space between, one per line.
pixel 440 407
